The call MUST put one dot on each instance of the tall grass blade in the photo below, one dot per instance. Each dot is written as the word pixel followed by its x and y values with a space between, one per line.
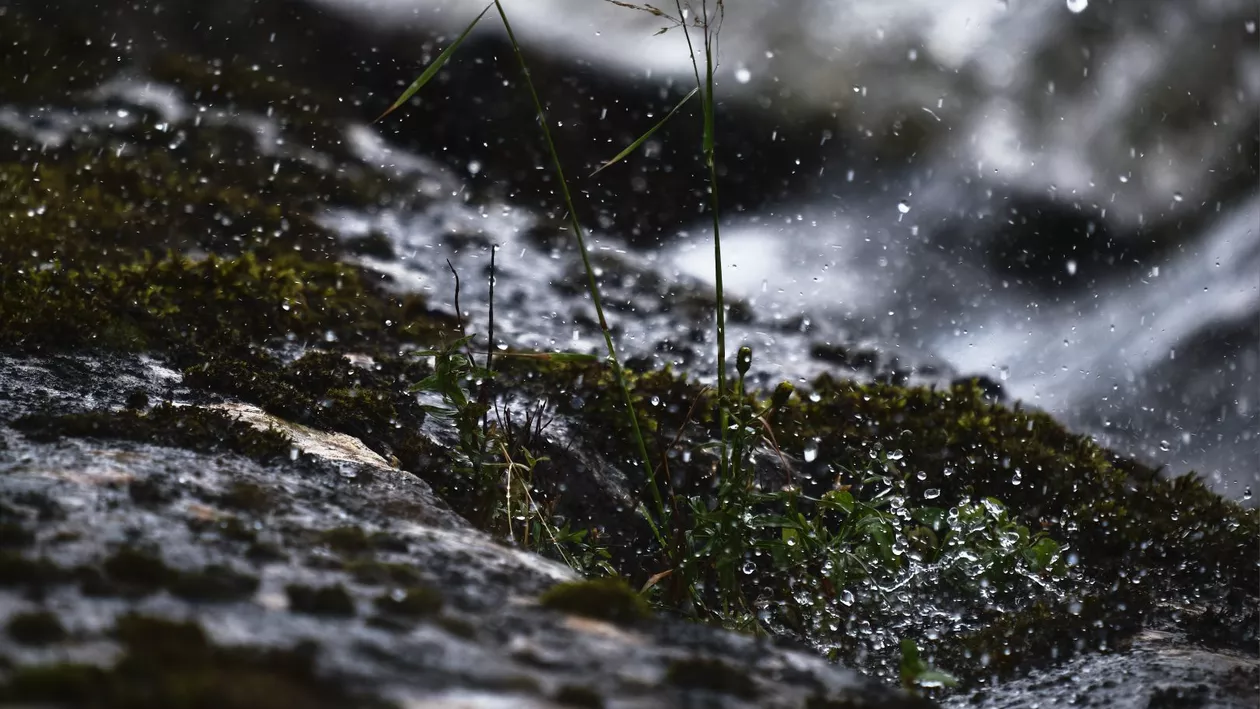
pixel 643 138
pixel 592 284
pixel 714 210
pixel 432 70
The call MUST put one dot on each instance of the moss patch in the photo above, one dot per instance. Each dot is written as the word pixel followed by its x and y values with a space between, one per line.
pixel 36 628
pixel 214 583
pixel 711 675
pixel 133 572
pixel 215 304
pixel 604 599
pixel 376 573
pixel 327 600
pixel 415 602
pixel 171 665
pixel 246 497
pixel 188 427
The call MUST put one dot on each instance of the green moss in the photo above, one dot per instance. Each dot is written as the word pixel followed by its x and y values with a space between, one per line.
pixel 328 600
pixel 711 675
pixel 15 536
pixel 18 571
pixel 137 399
pixel 36 628
pixel 246 497
pixel 214 583
pixel 579 695
pixel 172 665
pixel 150 491
pixel 127 572
pixel 604 599
pixel 347 540
pixel 417 601
pixel 234 530
pixel 132 572
pixel 264 552
pixel 187 427
pixel 219 304
pixel 325 391
pixel 376 573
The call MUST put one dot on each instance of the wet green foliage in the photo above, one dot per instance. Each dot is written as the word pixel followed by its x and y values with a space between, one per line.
pixel 173 665
pixel 975 500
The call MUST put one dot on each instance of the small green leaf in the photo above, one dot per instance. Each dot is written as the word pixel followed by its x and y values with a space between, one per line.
pixel 436 66
pixel 837 500
pixel 635 145
pixel 935 517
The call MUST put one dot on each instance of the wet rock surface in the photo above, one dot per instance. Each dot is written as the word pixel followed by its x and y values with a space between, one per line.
pixel 218 486
pixel 369 585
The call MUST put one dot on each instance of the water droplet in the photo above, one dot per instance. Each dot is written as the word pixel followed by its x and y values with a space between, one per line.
pixel 742 75
pixel 474 167
pixel 931 493
pixel 811 451
pixel 903 207
pixel 1177 197
pixel 749 567
pixel 1165 446
pixel 1077 5
pixel 1071 267
pixel 846 597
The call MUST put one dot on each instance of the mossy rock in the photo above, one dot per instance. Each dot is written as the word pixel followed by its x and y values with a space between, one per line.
pixel 414 602
pixel 187 427
pixel 36 628
pixel 323 601
pixel 711 675
pixel 173 665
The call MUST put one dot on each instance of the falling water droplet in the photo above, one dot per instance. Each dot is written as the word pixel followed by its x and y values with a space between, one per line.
pixel 903 207
pixel 742 75
pixel 811 451
pixel 1077 5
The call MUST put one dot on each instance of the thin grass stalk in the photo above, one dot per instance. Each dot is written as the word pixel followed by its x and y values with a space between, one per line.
pixel 592 284
pixel 707 104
